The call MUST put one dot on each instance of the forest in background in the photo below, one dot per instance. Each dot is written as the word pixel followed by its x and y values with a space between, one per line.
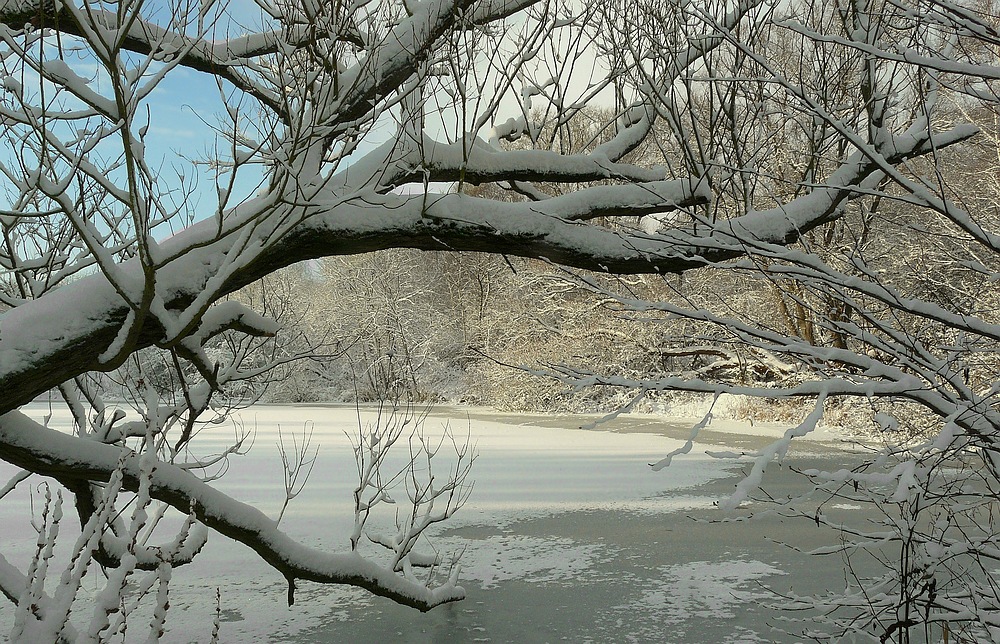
pixel 500 331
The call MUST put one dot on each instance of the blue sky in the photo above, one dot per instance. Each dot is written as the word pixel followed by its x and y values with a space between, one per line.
pixel 187 103
pixel 183 109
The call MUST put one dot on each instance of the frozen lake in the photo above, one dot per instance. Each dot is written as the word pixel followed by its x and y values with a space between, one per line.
pixel 568 536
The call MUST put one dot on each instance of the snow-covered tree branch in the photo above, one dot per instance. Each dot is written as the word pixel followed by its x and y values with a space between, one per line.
pixel 733 142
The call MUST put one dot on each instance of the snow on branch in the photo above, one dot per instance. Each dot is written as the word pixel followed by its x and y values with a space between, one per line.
pixel 147 38
pixel 394 59
pixel 480 163
pixel 705 113
pixel 64 458
pixel 40 349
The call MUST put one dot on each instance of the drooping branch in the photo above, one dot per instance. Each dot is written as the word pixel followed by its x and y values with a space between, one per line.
pixel 63 457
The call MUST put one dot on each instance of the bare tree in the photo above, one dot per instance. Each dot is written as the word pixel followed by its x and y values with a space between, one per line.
pixel 105 256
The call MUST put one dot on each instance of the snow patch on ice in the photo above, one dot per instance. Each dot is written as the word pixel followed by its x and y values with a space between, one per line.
pixel 714 589
pixel 498 559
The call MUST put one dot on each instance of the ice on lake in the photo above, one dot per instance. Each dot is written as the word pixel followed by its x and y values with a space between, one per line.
pixel 568 535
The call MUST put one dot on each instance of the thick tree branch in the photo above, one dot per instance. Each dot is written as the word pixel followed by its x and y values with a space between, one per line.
pixel 41 348
pixel 482 164
pixel 68 460
pixel 392 62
